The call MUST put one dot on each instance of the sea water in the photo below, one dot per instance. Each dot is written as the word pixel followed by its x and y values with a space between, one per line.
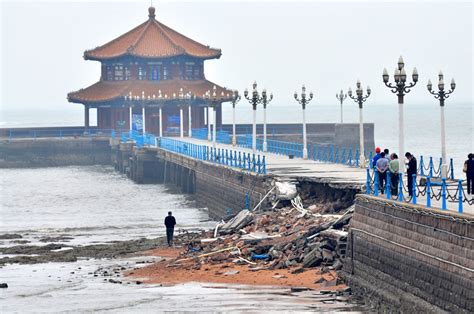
pixel 95 204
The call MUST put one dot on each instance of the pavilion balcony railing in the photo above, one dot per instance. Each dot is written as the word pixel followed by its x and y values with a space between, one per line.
pixel 59 133
pixel 431 189
pixel 227 157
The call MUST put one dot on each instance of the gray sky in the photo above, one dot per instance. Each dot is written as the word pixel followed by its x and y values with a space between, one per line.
pixel 327 45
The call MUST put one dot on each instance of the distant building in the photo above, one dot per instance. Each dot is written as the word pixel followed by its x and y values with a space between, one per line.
pixel 147 68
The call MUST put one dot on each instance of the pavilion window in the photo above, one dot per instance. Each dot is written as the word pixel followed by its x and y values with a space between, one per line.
pixel 118 72
pixel 166 72
pixel 127 73
pixel 109 76
pixel 155 72
pixel 181 72
pixel 188 70
pixel 141 73
pixel 197 73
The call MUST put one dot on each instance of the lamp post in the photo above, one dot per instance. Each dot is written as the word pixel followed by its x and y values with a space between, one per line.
pixel 254 100
pixel 442 94
pixel 211 97
pixel 143 112
pixel 401 88
pixel 160 102
pixel 360 99
pixel 265 101
pixel 341 97
pixel 235 99
pixel 184 99
pixel 303 101
pixel 130 99
pixel 208 122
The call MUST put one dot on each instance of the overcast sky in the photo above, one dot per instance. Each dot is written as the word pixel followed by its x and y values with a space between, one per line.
pixel 327 45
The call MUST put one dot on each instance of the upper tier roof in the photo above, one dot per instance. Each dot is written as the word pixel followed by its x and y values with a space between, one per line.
pixel 104 91
pixel 152 39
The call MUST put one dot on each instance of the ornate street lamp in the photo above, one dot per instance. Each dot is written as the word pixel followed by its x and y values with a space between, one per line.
pixel 303 101
pixel 235 99
pixel 341 97
pixel 360 99
pixel 254 100
pixel 213 101
pixel 401 88
pixel 265 101
pixel 442 94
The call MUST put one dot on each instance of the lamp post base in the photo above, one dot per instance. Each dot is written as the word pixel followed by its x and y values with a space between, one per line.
pixel 362 161
pixel 234 141
pixel 444 171
pixel 264 148
pixel 305 153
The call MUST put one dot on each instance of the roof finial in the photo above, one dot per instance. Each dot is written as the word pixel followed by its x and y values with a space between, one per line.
pixel 151 12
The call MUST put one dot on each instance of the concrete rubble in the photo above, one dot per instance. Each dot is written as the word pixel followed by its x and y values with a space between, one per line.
pixel 291 237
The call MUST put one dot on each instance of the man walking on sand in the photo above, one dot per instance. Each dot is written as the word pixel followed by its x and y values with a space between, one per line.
pixel 170 222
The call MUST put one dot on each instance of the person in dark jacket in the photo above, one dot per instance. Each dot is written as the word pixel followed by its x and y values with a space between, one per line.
pixel 469 167
pixel 411 170
pixel 170 222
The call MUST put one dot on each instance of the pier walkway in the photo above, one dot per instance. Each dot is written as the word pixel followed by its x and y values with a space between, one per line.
pixel 282 167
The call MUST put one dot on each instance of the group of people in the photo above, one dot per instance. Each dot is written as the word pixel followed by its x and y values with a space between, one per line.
pixel 389 164
pixel 386 163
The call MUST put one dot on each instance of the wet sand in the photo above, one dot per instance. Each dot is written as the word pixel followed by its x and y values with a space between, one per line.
pixel 164 272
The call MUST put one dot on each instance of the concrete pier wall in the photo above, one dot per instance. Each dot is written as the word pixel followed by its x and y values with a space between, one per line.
pixel 54 152
pixel 221 189
pixel 407 258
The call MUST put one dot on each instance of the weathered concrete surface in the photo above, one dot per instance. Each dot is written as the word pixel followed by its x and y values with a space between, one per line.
pixel 407 258
pixel 54 152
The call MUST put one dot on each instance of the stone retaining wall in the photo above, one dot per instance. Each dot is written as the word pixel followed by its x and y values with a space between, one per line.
pixel 54 152
pixel 407 258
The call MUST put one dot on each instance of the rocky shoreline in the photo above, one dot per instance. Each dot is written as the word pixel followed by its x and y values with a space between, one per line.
pixel 60 252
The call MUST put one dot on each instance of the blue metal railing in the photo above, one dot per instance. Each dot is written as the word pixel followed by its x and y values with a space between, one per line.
pixel 227 157
pixel 397 190
pixel 221 136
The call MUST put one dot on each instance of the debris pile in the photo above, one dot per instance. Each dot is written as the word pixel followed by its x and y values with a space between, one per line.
pixel 291 237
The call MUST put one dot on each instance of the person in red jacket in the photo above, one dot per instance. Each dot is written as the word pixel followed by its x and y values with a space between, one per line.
pixel 170 222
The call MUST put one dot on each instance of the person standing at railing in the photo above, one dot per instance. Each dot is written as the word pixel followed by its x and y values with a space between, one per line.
pixel 376 157
pixel 382 167
pixel 393 168
pixel 469 170
pixel 411 170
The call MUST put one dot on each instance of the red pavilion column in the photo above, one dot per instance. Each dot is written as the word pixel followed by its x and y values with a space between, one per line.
pixel 86 116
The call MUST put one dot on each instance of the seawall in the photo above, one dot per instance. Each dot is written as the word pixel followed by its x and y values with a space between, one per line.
pixel 54 152
pixel 408 258
pixel 221 189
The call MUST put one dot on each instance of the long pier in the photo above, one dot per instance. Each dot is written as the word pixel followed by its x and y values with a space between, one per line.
pixel 419 252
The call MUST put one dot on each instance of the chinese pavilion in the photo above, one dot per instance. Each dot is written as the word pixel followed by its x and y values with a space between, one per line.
pixel 148 75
